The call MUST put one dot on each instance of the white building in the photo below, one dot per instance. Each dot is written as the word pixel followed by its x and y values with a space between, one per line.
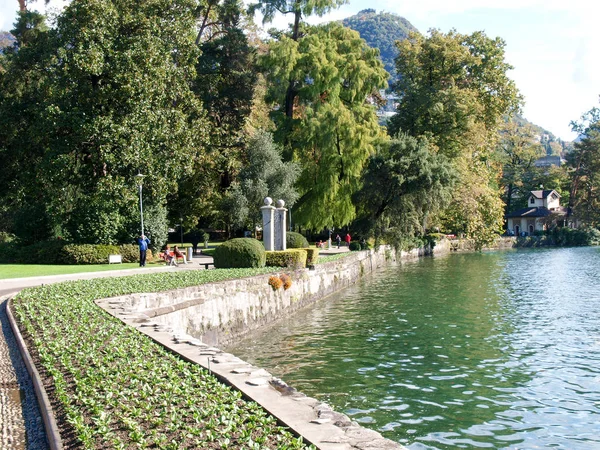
pixel 543 209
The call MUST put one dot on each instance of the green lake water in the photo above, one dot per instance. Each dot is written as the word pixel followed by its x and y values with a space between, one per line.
pixel 481 350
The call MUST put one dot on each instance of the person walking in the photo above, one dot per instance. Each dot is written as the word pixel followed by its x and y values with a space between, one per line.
pixel 338 239
pixel 143 243
pixel 348 239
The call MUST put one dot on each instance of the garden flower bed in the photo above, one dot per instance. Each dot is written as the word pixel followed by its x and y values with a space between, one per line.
pixel 112 387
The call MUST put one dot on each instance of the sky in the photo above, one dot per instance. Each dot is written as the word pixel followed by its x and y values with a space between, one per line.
pixel 552 45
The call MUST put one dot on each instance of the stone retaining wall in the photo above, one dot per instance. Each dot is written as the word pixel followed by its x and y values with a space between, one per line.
pixel 220 313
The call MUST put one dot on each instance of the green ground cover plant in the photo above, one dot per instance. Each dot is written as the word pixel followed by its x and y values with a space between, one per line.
pixel 112 387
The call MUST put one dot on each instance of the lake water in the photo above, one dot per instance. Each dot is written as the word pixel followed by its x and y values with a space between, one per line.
pixel 488 350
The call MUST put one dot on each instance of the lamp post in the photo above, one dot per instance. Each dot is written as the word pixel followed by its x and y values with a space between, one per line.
pixel 139 179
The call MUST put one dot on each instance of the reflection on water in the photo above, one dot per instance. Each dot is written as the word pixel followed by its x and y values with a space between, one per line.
pixel 490 350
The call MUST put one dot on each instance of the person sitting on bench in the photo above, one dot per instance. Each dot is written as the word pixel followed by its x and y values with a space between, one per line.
pixel 179 254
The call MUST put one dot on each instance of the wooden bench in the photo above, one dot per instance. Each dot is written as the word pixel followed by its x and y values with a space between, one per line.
pixel 206 265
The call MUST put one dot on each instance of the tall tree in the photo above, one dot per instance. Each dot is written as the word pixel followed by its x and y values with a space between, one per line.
pixel 264 174
pixel 117 100
pixel 584 162
pixel 405 184
pixel 518 150
pixel 334 128
pixel 298 9
pixel 226 76
pixel 454 89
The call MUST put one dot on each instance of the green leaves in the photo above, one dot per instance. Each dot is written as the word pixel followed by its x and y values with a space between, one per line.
pixel 333 129
pixel 123 389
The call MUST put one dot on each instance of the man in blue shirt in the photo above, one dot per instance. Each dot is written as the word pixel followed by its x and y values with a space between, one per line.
pixel 143 242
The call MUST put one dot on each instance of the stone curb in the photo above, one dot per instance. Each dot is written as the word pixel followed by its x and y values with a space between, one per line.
pixel 50 427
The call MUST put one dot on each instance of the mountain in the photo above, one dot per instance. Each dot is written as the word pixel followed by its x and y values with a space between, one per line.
pixel 552 144
pixel 6 39
pixel 381 30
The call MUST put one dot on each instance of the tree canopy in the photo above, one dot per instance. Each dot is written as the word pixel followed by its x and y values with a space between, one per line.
pixel 334 128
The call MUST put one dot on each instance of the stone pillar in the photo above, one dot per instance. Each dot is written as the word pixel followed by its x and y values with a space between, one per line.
pixel 280 227
pixel 268 213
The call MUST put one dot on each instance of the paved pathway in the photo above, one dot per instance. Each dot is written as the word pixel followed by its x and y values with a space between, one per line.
pixel 21 426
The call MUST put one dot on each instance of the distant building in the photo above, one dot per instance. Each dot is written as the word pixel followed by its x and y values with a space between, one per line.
pixel 543 211
pixel 549 161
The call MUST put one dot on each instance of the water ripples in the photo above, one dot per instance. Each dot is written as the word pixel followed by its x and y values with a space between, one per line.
pixel 491 350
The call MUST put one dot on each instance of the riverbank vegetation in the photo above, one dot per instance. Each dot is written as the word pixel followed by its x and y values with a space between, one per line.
pixel 112 387
pixel 216 116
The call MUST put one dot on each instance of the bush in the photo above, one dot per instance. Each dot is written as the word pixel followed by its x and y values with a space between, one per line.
pixel 312 255
pixel 355 246
pixel 295 240
pixel 131 253
pixel 88 253
pixel 240 253
pixel 275 282
pixel 46 252
pixel 294 258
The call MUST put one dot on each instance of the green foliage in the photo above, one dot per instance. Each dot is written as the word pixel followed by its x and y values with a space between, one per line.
pixel 295 240
pixel 312 255
pixel 107 377
pixel 293 258
pixel 355 246
pixel 405 184
pixel 88 254
pixel 517 152
pixel 240 253
pixel 131 253
pixel 84 107
pixel 263 175
pixel 60 252
pixel 331 129
pixel 381 31
pixel 584 162
pixel 454 89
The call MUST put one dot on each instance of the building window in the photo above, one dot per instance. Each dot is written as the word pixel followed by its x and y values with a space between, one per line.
pixel 531 200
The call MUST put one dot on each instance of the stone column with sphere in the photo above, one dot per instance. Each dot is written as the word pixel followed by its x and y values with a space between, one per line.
pixel 268 213
pixel 280 226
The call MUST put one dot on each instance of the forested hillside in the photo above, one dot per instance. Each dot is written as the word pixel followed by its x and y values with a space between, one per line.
pixel 381 30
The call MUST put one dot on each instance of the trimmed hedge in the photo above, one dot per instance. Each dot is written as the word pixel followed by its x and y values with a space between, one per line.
pixel 293 258
pixel 240 253
pixel 58 252
pixel 355 246
pixel 312 255
pixel 295 240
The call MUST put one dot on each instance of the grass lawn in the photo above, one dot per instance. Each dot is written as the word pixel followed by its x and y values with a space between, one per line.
pixel 38 270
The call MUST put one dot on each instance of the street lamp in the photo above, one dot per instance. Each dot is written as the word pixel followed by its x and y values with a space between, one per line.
pixel 139 179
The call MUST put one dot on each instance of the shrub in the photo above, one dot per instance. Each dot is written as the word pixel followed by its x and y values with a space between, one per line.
pixel 355 246
pixel 46 252
pixel 87 253
pixel 295 240
pixel 131 253
pixel 239 253
pixel 275 282
pixel 293 258
pixel 312 255
pixel 286 280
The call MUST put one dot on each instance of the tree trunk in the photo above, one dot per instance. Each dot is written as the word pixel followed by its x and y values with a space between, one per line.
pixel 22 6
